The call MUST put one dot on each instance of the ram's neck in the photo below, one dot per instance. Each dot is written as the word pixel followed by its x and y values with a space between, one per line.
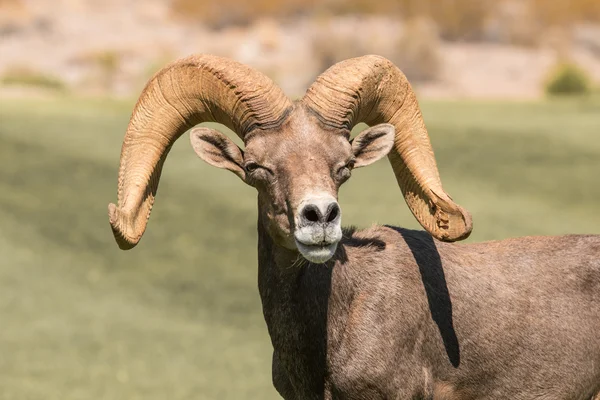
pixel 286 281
pixel 295 296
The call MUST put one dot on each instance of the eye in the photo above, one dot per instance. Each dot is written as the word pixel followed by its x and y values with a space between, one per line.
pixel 251 167
pixel 347 167
pixel 344 171
pixel 257 172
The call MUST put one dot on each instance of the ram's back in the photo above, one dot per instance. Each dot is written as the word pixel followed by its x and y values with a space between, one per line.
pixel 517 318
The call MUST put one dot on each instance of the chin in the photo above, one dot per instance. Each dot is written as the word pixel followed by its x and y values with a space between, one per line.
pixel 315 253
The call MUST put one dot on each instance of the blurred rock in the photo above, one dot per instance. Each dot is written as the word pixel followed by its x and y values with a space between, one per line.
pixel 112 47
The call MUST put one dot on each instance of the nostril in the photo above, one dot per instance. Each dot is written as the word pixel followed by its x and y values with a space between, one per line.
pixel 311 214
pixel 333 212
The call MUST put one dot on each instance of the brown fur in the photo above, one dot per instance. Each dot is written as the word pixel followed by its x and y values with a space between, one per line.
pixel 397 314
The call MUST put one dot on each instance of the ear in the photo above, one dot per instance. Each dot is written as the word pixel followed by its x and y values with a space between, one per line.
pixel 372 144
pixel 218 150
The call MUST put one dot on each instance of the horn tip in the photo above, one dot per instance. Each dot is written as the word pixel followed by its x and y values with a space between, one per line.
pixel 452 222
pixel 459 227
pixel 115 216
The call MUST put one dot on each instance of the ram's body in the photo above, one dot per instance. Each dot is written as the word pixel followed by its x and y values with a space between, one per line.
pixel 384 313
pixel 399 315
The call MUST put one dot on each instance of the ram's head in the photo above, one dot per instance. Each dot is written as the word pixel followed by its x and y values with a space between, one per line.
pixel 296 154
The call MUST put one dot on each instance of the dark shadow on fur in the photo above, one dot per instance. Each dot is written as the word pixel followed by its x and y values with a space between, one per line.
pixel 312 309
pixel 423 248
pixel 349 240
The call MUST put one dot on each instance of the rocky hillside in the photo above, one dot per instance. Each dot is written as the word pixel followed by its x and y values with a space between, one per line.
pixel 113 47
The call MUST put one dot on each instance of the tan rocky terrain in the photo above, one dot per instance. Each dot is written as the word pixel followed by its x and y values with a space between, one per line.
pixel 113 47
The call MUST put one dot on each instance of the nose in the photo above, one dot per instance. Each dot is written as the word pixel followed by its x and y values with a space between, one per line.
pixel 320 211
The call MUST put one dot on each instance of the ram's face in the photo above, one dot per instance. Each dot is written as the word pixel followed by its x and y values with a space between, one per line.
pixel 298 170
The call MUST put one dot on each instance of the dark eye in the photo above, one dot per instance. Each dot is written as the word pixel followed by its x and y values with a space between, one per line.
pixel 344 172
pixel 251 167
pixel 349 165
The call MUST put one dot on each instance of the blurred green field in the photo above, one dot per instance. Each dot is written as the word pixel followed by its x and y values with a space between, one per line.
pixel 179 316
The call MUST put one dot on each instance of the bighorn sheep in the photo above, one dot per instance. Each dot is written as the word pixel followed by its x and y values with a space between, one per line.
pixel 384 312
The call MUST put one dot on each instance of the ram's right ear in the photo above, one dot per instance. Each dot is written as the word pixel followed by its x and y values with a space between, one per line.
pixel 218 150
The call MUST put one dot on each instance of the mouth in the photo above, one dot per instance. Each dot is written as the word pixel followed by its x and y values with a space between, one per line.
pixel 317 254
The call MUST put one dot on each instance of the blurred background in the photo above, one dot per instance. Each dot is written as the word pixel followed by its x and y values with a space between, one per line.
pixel 509 91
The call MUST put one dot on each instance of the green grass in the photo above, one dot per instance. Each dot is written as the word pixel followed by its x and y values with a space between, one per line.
pixel 179 316
pixel 23 76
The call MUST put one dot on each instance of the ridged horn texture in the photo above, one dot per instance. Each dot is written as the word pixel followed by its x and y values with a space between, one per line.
pixel 196 89
pixel 372 90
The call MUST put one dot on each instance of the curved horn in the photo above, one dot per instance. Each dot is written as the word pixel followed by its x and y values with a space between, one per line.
pixel 371 89
pixel 196 89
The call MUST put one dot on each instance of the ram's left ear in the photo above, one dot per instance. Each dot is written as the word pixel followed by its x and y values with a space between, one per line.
pixel 372 144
